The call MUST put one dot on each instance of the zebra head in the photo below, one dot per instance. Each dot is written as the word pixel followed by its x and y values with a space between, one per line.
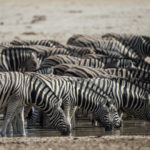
pixel 106 115
pixel 32 63
pixel 114 115
pixel 59 121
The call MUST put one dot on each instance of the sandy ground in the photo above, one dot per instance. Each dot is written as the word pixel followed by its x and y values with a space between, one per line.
pixel 58 20
pixel 77 143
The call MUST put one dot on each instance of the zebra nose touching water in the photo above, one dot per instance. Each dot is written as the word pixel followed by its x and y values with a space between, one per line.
pixel 110 117
pixel 18 90
pixel 77 92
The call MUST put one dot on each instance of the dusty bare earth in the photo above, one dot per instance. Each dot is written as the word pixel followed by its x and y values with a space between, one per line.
pixel 76 143
pixel 58 20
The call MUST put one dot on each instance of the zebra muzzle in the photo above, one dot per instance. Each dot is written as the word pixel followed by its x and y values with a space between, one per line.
pixel 108 128
pixel 66 130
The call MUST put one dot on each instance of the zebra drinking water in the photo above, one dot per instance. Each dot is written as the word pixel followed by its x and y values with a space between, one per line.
pixel 18 89
pixel 75 92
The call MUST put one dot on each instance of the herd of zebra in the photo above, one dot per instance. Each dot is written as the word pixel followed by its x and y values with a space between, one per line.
pixel 106 75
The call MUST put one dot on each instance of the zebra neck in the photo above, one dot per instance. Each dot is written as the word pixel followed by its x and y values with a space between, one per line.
pixel 88 95
pixel 40 94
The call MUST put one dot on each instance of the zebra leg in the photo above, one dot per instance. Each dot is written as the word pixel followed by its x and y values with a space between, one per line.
pixel 73 116
pixel 8 132
pixel 14 125
pixel 33 117
pixel 11 108
pixel 67 113
pixel 20 121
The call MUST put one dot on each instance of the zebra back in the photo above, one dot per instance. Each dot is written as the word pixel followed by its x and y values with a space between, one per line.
pixel 17 59
pixel 106 47
pixel 139 43
pixel 47 43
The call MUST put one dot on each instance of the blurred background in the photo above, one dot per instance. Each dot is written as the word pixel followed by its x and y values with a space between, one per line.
pixel 60 19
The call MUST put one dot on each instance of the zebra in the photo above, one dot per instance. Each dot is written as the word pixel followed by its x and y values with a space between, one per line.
pixel 79 51
pixel 60 69
pixel 78 91
pixel 47 43
pixel 102 62
pixel 107 47
pixel 87 56
pixel 45 70
pixel 84 72
pixel 142 65
pixel 18 90
pixel 89 72
pixel 55 47
pixel 129 73
pixel 128 97
pixel 131 76
pixel 17 60
pixel 141 44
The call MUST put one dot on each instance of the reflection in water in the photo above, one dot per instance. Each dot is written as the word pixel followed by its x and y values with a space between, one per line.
pixel 84 128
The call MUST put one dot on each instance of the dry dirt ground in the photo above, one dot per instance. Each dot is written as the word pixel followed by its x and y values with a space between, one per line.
pixel 76 143
pixel 58 20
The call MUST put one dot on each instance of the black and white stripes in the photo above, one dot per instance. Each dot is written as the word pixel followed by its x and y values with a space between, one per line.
pixel 110 75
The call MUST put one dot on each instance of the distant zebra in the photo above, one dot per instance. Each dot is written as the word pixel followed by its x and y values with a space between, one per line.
pixel 45 70
pixel 48 43
pixel 129 73
pixel 54 47
pixel 103 62
pixel 136 77
pixel 96 56
pixel 89 72
pixel 19 89
pixel 140 44
pixel 84 72
pixel 14 59
pixel 79 51
pixel 142 65
pixel 83 97
pixel 60 69
pixel 112 48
